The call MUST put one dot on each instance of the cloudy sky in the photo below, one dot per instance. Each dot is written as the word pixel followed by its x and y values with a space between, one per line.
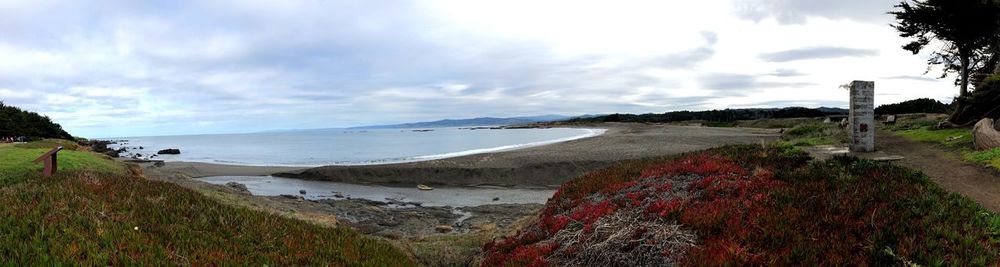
pixel 131 68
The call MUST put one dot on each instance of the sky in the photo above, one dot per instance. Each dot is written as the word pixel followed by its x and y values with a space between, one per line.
pixel 141 68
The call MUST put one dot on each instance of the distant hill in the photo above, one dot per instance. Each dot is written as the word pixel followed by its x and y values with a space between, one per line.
pixel 17 122
pixel 920 105
pixel 484 121
pixel 725 115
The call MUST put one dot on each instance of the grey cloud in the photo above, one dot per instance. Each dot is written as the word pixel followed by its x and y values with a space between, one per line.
pixel 740 84
pixel 785 73
pixel 796 11
pixel 823 52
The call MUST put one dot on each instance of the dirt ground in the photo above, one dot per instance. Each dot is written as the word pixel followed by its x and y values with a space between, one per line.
pixel 975 181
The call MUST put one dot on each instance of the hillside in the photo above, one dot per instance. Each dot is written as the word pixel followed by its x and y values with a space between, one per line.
pixel 753 205
pixel 100 212
pixel 726 115
pixel 17 122
pixel 920 105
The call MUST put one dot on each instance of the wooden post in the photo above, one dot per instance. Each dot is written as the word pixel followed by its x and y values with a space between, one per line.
pixel 50 159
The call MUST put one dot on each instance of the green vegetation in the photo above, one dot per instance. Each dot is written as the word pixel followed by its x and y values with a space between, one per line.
pixel 814 134
pixel 16 160
pixel 754 205
pixel 98 212
pixel 17 122
pixel 952 138
pixel 988 157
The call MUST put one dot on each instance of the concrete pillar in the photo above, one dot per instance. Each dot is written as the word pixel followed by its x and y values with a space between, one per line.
pixel 862 117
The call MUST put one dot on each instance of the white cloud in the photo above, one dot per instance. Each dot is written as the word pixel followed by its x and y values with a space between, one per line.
pixel 231 66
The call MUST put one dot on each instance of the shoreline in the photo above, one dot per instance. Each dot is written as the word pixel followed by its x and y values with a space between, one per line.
pixel 543 166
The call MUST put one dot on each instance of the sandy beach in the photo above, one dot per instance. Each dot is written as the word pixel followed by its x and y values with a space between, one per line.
pixel 545 166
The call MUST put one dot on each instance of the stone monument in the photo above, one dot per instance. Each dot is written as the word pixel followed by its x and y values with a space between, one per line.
pixel 862 116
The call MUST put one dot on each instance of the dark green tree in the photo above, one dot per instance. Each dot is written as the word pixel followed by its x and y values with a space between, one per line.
pixel 969 31
pixel 968 34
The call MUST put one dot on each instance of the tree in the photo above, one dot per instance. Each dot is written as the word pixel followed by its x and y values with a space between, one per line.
pixel 968 30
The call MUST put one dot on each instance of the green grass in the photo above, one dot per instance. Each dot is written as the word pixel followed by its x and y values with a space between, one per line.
pixel 988 157
pixel 16 160
pixel 814 134
pixel 952 138
pixel 99 212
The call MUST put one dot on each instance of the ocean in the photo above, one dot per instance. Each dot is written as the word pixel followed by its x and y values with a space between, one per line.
pixel 309 148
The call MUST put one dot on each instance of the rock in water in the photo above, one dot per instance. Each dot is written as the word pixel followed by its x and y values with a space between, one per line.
pixel 171 151
pixel 986 135
pixel 239 187
pixel 302 192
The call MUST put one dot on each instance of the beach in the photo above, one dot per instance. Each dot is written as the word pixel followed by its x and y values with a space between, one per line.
pixel 382 200
pixel 545 166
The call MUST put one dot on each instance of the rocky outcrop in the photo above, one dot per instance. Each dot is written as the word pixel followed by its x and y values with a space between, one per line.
pixel 986 135
pixel 242 188
pixel 170 151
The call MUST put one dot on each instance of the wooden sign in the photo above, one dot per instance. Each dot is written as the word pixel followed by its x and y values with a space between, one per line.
pixel 50 159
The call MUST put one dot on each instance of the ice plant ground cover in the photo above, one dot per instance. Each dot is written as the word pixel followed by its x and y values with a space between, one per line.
pixel 753 205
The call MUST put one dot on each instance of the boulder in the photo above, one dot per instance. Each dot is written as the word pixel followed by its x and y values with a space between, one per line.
pixel 242 188
pixel 986 135
pixel 171 151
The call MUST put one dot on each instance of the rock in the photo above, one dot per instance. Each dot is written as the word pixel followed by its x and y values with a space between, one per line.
pixel 239 187
pixel 302 192
pixel 291 197
pixel 985 135
pixel 496 199
pixel 159 163
pixel 338 195
pixel 444 228
pixel 171 151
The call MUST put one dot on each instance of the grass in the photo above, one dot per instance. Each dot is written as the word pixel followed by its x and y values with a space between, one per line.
pixel 987 157
pixel 16 161
pixel 98 212
pixel 754 205
pixel 814 134
pixel 951 138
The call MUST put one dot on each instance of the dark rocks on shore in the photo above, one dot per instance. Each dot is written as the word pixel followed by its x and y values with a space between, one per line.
pixel 101 146
pixel 292 197
pixel 171 151
pixel 242 188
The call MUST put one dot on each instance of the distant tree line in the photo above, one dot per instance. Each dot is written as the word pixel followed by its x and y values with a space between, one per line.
pixel 921 105
pixel 725 115
pixel 17 122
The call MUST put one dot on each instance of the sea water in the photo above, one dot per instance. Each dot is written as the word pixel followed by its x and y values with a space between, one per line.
pixel 308 148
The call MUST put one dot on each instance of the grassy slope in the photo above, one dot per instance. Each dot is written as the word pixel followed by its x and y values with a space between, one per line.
pixel 96 212
pixel 16 160
pixel 766 206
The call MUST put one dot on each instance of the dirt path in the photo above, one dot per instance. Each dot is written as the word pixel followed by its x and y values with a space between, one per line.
pixel 945 168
